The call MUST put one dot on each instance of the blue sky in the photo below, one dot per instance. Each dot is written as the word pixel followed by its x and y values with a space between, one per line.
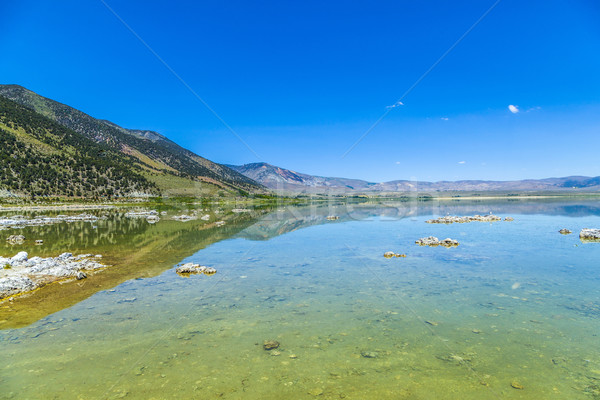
pixel 300 82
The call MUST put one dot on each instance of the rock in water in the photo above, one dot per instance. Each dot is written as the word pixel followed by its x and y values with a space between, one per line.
pixel 270 344
pixel 19 258
pixel 461 220
pixel 428 241
pixel 26 274
pixel 565 231
pixel 517 385
pixel 191 268
pixel 590 235
pixel 391 254
pixel 432 241
pixel 449 242
pixel 15 239
pixel 369 354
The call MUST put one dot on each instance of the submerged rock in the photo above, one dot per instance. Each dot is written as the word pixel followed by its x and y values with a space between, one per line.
pixel 332 217
pixel 369 354
pixel 270 344
pixel 590 235
pixel 517 385
pixel 391 254
pixel 565 231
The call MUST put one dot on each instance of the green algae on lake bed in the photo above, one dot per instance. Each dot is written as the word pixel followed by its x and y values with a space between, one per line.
pixel 514 305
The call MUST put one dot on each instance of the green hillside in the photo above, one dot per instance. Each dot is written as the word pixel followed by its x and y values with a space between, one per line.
pixel 158 156
pixel 39 157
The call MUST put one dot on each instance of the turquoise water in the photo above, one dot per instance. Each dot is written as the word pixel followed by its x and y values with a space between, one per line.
pixel 513 312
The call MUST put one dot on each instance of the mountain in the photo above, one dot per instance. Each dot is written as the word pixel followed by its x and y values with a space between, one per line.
pixel 291 181
pixel 279 178
pixel 172 169
pixel 40 157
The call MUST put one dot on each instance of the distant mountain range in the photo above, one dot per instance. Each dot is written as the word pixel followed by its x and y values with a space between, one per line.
pixel 287 180
pixel 50 149
pixel 152 163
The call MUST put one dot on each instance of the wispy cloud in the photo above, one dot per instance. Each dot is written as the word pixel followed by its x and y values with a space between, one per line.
pixel 398 163
pixel 444 118
pixel 513 109
pixel 462 162
pixel 396 104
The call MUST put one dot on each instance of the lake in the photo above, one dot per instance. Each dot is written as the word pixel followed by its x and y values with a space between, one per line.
pixel 513 312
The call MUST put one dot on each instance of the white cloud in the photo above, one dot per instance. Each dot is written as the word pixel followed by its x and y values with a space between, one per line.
pixel 398 163
pixel 513 109
pixel 462 162
pixel 396 104
pixel 444 118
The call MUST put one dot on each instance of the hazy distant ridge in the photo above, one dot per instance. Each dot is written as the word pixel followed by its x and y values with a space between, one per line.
pixel 275 177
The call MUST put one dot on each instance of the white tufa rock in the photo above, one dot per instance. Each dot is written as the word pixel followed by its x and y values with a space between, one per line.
pixel 590 235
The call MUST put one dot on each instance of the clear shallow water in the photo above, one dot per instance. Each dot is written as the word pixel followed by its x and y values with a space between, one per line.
pixel 516 302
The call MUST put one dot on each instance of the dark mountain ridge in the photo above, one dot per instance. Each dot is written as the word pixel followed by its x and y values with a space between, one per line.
pixel 152 151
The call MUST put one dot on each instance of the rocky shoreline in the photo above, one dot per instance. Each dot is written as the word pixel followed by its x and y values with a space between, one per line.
pixel 20 274
pixel 20 221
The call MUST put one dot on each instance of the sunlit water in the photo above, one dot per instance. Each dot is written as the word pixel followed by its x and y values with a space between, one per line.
pixel 511 313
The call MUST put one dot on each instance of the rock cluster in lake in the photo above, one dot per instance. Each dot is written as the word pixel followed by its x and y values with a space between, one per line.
pixel 590 235
pixel 15 239
pixel 20 221
pixel 449 219
pixel 565 231
pixel 150 215
pixel 20 273
pixel 191 268
pixel 432 241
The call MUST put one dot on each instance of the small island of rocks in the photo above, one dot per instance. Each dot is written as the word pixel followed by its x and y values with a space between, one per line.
pixel 20 274
pixel 589 235
pixel 191 268
pixel 449 219
pixel 432 241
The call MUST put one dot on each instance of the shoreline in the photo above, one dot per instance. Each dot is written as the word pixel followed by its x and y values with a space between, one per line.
pixel 300 198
